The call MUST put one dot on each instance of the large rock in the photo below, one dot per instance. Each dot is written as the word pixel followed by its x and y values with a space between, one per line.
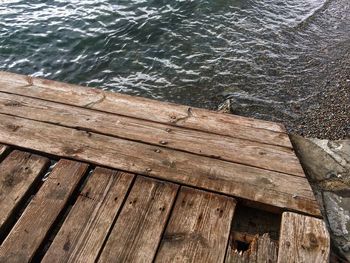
pixel 327 166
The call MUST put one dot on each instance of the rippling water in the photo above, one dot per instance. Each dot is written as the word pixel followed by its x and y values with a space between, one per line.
pixel 265 55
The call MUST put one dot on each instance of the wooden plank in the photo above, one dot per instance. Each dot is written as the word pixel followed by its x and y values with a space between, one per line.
pixel 261 249
pixel 86 227
pixel 14 79
pixel 256 154
pixel 198 229
pixel 137 107
pixel 18 174
pixel 137 232
pixel 32 227
pixel 273 188
pixel 303 239
pixel 235 119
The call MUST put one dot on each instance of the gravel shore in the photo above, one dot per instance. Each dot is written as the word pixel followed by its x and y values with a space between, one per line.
pixel 328 117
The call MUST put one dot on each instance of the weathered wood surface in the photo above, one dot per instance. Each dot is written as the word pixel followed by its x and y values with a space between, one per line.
pixel 198 229
pixel 251 153
pixel 3 149
pixel 273 188
pixel 137 107
pixel 303 239
pixel 32 227
pixel 87 225
pixel 138 229
pixel 261 250
pixel 18 174
pixel 17 80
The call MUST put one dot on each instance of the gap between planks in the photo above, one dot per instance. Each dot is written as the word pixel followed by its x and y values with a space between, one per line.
pixel 88 223
pixel 19 175
pixel 25 237
pixel 140 225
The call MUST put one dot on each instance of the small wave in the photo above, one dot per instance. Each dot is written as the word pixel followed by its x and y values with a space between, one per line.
pixel 311 16
pixel 181 51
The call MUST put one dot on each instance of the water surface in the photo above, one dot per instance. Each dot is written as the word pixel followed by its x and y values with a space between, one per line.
pixel 265 55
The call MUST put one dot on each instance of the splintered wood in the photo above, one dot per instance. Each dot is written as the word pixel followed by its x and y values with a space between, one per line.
pixel 261 249
pixel 3 149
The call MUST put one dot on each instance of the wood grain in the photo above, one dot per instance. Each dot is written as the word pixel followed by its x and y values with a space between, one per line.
pixel 13 79
pixel 198 229
pixel 261 249
pixel 141 108
pixel 18 174
pixel 137 232
pixel 87 225
pixel 273 188
pixel 32 227
pixel 247 152
pixel 303 239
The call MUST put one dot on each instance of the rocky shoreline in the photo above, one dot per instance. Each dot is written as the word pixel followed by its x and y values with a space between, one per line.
pixel 325 114
pixel 327 166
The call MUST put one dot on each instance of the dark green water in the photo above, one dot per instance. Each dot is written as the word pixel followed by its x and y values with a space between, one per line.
pixel 265 55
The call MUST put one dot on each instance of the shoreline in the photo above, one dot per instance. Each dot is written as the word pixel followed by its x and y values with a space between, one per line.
pixel 325 115
pixel 329 116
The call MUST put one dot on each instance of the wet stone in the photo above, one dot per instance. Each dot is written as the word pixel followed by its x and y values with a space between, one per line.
pixel 327 166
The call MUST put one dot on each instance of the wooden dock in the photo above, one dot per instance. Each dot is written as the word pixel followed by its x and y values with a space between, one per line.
pixel 88 175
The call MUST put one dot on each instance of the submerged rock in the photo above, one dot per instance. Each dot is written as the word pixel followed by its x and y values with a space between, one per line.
pixel 327 166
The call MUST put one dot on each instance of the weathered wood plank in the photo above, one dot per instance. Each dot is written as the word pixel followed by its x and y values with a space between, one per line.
pixel 83 233
pixel 247 152
pixel 137 107
pixel 303 239
pixel 30 230
pixel 198 229
pixel 18 174
pixel 13 79
pixel 273 188
pixel 137 232
pixel 261 249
